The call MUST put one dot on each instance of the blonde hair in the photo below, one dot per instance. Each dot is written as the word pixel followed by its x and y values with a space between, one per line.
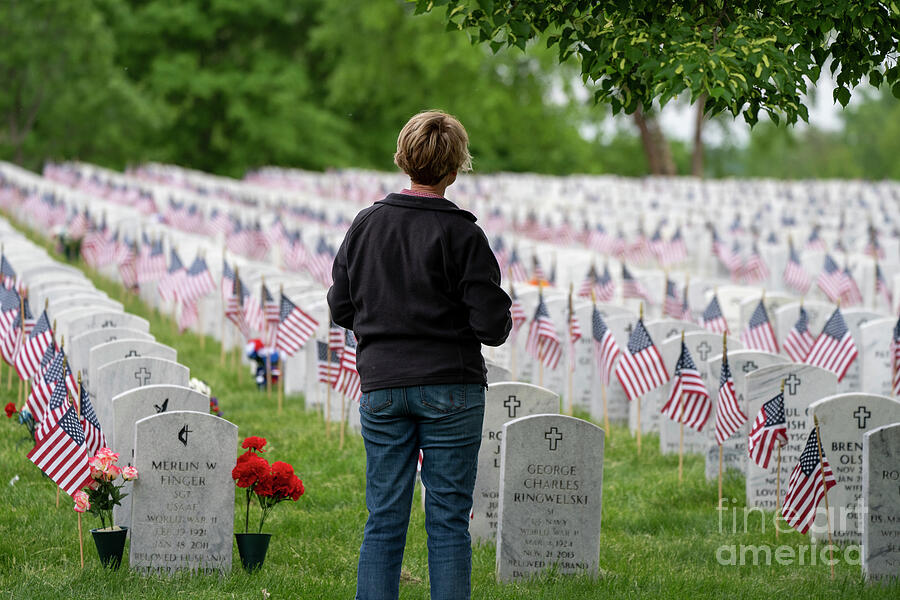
pixel 431 145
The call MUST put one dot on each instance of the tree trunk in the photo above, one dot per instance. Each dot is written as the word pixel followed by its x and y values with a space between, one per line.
pixel 656 147
pixel 697 155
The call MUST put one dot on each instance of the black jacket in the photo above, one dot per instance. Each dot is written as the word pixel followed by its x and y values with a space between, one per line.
pixel 417 282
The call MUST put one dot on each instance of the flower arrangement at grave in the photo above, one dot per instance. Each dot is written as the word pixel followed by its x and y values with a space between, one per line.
pixel 198 385
pixel 24 417
pixel 271 484
pixel 214 406
pixel 106 490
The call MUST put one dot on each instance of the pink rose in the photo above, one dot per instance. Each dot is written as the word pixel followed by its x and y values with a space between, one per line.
pixel 113 472
pixel 81 502
pixel 129 473
pixel 95 463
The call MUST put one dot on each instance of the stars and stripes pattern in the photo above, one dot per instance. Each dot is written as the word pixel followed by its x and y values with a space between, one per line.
pixel 831 279
pixel 294 327
pixel 93 435
pixel 61 454
pixel 850 294
pixel 7 274
pixel 633 288
pixel 808 484
pixel 755 268
pixel 712 317
pixel 588 283
pixel 151 264
pixel 672 304
pixel 348 382
pixel 271 314
pixel 328 364
pixel 799 341
pixel 606 351
pixel 517 312
pixel 688 401
pixel 729 416
pixel 235 306
pixel 759 334
pixel 881 287
pixel 36 403
pixel 641 368
pixel 769 429
pixel 196 283
pixel 516 269
pixel 14 334
pixel 335 337
pixel 574 334
pixel 834 349
pixel 58 404
pixel 604 287
pixel 170 282
pixel 28 359
pixel 543 341
pixel 795 276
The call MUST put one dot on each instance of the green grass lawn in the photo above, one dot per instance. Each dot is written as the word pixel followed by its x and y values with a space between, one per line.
pixel 659 538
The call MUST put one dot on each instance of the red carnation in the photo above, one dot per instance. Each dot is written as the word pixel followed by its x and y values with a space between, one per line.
pixel 283 475
pixel 250 468
pixel 254 442
pixel 296 488
pixel 265 488
pixel 10 410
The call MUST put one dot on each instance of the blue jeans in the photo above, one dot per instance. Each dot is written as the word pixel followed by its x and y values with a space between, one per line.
pixel 445 422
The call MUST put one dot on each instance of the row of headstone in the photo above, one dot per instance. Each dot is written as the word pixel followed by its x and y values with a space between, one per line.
pixel 180 511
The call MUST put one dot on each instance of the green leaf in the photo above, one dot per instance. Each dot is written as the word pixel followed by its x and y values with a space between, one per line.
pixel 895 90
pixel 842 95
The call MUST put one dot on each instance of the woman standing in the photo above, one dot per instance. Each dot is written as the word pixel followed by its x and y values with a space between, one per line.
pixel 417 282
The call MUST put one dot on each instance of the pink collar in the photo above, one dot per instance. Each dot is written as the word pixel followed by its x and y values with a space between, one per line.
pixel 410 192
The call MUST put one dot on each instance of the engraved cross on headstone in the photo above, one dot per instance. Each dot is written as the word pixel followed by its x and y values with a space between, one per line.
pixel 553 436
pixel 512 403
pixel 628 329
pixel 132 354
pixel 791 383
pixel 862 415
pixel 749 366
pixel 703 350
pixel 671 333
pixel 142 375
pixel 183 435
pixel 107 324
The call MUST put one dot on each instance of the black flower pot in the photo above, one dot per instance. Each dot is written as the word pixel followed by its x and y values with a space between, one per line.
pixel 252 548
pixel 110 545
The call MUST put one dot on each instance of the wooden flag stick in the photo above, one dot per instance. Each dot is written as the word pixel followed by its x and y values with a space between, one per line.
pixel 222 334
pixel 78 413
pixel 724 361
pixel 343 419
pixel 328 399
pixel 681 427
pixel 640 318
pixel 825 493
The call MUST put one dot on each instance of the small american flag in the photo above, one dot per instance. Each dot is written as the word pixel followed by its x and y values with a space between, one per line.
pixel 677 247
pixel 799 340
pixel 271 314
pixel 755 268
pixel 606 351
pixel 171 280
pixel 537 272
pixel 831 279
pixel 61 454
pixel 587 285
pixel 235 306
pixel 188 315
pixel 328 364
pixel 35 403
pixel 881 287
pixel 320 263
pixel 604 288
pixel 58 404
pixel 809 481
pixel 151 264
pixel 712 317
pixel 814 242
pixel 895 359
pixel 688 401
pixel 641 368
pixel 519 317
pixel 7 273
pixel 28 360
pixel 348 382
pixel 126 259
pixel 759 334
pixel 834 349
pixel 93 436
pixel 633 288
pixel 294 327
pixel 196 283
pixel 769 429
pixel 729 416
pixel 672 304
pixel 14 334
pixel 335 337
pixel 574 334
pixel 543 341
pixel 850 294
pixel 516 269
pixel 794 276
